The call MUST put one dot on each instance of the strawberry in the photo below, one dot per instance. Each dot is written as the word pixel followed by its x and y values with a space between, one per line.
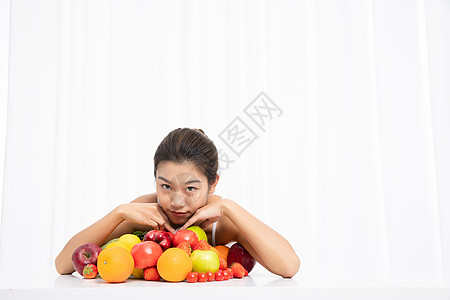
pixel 246 273
pixel 192 277
pixel 202 245
pixel 210 276
pixel 238 270
pixel 223 264
pixel 90 271
pixel 185 247
pixel 230 272
pixel 151 273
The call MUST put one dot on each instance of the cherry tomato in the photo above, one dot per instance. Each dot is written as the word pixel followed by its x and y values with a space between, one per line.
pixel 210 276
pixel 192 277
pixel 218 276
pixel 202 277
pixel 226 275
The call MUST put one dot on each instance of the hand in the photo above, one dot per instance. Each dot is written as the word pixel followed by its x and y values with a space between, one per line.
pixel 206 215
pixel 147 214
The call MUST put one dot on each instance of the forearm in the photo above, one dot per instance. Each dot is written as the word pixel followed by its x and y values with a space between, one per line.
pixel 273 250
pixel 96 233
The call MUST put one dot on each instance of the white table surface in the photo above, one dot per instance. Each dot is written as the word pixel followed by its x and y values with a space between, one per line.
pixel 261 284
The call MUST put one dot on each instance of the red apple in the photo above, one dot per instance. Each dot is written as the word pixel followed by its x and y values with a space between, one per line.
pixel 185 236
pixel 84 255
pixel 146 254
pixel 239 254
pixel 161 237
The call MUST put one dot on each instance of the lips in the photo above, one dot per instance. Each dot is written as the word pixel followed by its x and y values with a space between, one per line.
pixel 178 213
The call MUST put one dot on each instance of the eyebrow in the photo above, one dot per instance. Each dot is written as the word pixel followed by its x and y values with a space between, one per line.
pixel 187 182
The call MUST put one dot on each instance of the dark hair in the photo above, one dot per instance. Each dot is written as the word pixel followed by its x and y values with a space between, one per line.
pixel 187 145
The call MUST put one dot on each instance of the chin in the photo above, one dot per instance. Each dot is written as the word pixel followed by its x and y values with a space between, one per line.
pixel 179 221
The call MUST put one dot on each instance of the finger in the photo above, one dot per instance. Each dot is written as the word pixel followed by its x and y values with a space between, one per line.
pixel 166 220
pixel 155 220
pixel 153 224
pixel 168 227
pixel 162 223
pixel 191 221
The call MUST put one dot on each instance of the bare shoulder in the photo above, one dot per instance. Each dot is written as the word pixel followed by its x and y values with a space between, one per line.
pixel 213 198
pixel 149 198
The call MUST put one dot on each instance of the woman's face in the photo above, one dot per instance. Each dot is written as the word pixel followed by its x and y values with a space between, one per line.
pixel 181 190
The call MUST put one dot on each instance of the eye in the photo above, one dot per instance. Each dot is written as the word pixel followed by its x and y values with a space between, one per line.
pixel 164 185
pixel 193 188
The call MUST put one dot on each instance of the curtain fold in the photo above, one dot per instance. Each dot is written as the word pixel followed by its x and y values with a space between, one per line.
pixel 351 165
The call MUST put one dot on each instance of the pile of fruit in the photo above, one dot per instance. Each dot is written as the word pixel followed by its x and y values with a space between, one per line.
pixel 161 255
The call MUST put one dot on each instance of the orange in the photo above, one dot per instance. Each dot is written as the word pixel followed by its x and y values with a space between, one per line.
pixel 115 264
pixel 223 250
pixel 215 250
pixel 174 265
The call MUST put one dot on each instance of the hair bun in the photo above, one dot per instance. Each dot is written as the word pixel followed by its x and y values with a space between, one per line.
pixel 201 131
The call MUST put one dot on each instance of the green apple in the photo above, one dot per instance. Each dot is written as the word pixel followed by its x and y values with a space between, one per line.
pixel 204 261
pixel 201 234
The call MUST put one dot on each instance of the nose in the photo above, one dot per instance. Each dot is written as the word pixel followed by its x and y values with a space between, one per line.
pixel 177 201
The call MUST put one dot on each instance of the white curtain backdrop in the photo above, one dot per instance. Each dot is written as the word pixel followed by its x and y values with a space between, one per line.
pixel 352 166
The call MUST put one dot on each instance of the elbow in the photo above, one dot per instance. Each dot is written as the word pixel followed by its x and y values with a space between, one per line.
pixel 60 269
pixel 292 268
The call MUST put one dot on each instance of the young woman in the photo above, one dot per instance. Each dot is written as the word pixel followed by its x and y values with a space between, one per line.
pixel 185 170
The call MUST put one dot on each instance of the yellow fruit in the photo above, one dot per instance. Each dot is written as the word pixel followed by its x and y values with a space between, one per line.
pixel 130 240
pixel 138 273
pixel 115 264
pixel 174 264
pixel 118 244
pixel 215 251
